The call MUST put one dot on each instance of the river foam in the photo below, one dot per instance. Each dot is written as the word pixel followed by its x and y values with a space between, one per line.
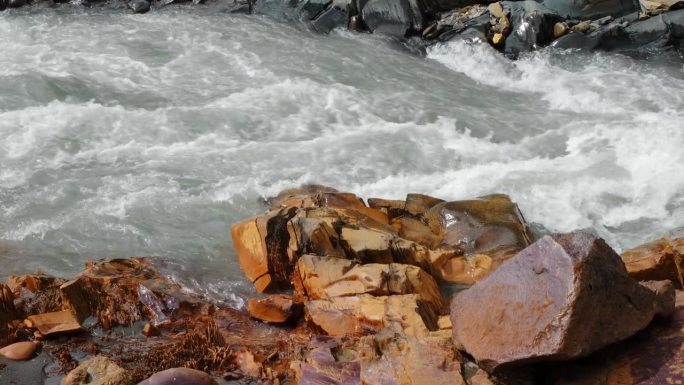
pixel 152 134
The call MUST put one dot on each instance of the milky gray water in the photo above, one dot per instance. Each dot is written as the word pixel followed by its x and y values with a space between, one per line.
pixel 151 134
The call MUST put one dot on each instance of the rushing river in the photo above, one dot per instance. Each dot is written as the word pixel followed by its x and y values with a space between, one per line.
pixel 151 134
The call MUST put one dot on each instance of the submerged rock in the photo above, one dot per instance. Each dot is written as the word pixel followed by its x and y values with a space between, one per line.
pixel 392 17
pixel 20 351
pixel 98 370
pixel 180 376
pixel 561 298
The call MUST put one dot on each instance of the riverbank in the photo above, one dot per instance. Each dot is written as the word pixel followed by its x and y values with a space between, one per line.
pixel 363 298
pixel 632 27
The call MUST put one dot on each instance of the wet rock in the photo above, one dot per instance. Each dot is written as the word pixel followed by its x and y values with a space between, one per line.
pixel 490 225
pixel 98 370
pixel 591 9
pixel 460 23
pixel 248 366
pixel 332 17
pixel 367 244
pixel 392 17
pixel 418 204
pixel 307 195
pixel 180 376
pixel 150 330
pixel 139 6
pixel 3 5
pixel 16 3
pixel 501 25
pixel 562 298
pixel 532 27
pixel 363 314
pixel 36 293
pixel 560 29
pixel 20 351
pixel 393 208
pixel 393 358
pixel 262 244
pixel 415 230
pixel 656 260
pixel 8 312
pixel 54 323
pixel 275 308
pixel 324 278
pixel 311 235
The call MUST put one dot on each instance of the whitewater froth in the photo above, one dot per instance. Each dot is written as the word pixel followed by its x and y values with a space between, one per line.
pixel 157 141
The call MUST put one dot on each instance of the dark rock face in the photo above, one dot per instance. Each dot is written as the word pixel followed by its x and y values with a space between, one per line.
pixel 392 17
pixel 532 27
pixel 16 3
pixel 561 298
pixel 591 9
pixel 3 5
pixel 139 6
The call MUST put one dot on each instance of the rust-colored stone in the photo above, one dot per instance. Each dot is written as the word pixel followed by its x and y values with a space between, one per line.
pixel 418 204
pixel 59 322
pixel 562 298
pixel 20 351
pixel 363 314
pixel 490 225
pixel 325 277
pixel 275 308
pixel 656 260
pixel 262 245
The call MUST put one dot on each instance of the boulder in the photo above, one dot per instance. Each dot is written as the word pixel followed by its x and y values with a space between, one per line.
pixel 656 260
pixel 591 9
pixel 59 322
pixel 418 204
pixel 324 278
pixel 392 17
pixel 328 362
pixel 248 366
pixel 139 6
pixel 16 3
pixel 532 27
pixel 180 376
pixel 415 230
pixel 363 314
pixel 393 358
pixel 311 235
pixel 491 225
pixel 563 297
pixel 262 245
pixel 8 312
pixel 20 351
pixel 3 5
pixel 275 308
pixel 393 208
pixel 98 370
pixel 332 17
pixel 367 244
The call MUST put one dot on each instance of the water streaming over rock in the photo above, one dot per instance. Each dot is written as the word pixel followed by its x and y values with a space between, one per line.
pixel 151 134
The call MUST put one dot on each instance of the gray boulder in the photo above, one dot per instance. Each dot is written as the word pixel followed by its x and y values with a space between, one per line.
pixel 591 9
pixel 532 27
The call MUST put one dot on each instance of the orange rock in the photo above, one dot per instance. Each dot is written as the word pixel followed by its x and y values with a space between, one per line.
pixel 20 351
pixel 363 314
pixel 415 230
pixel 657 260
pixel 418 204
pixel 248 365
pixel 324 277
pixel 275 308
pixel 262 246
pixel 55 323
pixel 98 370
pixel 150 330
pixel 491 225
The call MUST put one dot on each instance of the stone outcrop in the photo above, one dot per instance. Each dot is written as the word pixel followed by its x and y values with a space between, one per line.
pixel 657 260
pixel 562 298
pixel 59 322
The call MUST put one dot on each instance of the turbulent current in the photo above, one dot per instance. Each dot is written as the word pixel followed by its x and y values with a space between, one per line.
pixel 151 134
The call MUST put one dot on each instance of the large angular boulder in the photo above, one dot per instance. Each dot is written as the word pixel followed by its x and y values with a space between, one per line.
pixel 532 27
pixel 275 308
pixel 364 314
pixel 326 277
pixel 657 260
pixel 54 323
pixel 563 297
pixel 393 17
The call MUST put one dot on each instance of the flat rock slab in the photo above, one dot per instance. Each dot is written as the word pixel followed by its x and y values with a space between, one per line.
pixel 657 260
pixel 275 308
pixel 561 298
pixel 54 323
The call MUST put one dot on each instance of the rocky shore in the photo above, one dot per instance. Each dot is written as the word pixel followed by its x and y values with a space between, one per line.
pixel 417 291
pixel 634 27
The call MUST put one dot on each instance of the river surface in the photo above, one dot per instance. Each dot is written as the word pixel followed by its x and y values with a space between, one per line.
pixel 151 134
